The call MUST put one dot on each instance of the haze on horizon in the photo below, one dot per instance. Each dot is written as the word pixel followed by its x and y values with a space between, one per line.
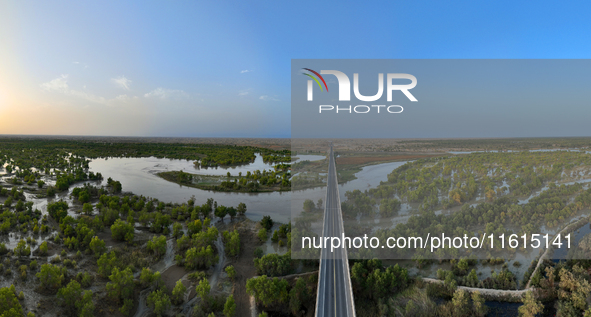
pixel 215 69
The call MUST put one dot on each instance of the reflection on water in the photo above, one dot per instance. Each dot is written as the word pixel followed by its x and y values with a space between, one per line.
pixel 155 165
pixel 502 309
pixel 369 177
pixel 310 158
pixel 576 237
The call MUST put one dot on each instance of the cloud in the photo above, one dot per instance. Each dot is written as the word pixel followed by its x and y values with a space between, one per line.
pixel 244 92
pixel 268 98
pixel 87 96
pixel 124 98
pixel 84 65
pixel 59 84
pixel 122 81
pixel 164 93
pixel 245 71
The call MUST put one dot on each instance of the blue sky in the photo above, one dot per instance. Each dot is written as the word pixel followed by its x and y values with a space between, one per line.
pixel 217 68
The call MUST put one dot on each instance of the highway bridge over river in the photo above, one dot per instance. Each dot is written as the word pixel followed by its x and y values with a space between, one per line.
pixel 335 294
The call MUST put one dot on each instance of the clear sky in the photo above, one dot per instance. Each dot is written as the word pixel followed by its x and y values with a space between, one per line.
pixel 222 69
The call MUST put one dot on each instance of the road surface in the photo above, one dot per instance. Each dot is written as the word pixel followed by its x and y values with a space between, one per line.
pixel 335 295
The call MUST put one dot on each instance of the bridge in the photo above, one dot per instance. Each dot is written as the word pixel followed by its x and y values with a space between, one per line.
pixel 335 294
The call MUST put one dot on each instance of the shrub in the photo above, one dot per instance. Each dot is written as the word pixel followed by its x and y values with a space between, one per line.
pixel 121 285
pixel 122 231
pixel 230 307
pixel 22 249
pixel 57 210
pixel 75 300
pixel 3 249
pixel 159 302
pixel 267 222
pixel 147 277
pixel 51 276
pixel 231 271
pixel 268 291
pixel 97 246
pixel 262 234
pixel 200 258
pixel 258 253
pixel 106 263
pixel 157 245
pixel 232 242
pixel 178 293
pixel 9 304
pixel 273 264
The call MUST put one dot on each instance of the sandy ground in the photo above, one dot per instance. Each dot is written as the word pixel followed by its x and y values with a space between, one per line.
pixel 173 274
pixel 244 266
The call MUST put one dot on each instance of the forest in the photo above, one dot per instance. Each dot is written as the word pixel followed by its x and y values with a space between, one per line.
pixel 258 181
pixel 94 249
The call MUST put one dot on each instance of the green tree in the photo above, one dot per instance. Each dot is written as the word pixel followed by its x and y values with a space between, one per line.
pixel 230 307
pixel 97 246
pixel 43 248
pixel 574 290
pixel 87 208
pixel 262 234
pixel 203 289
pixel 232 212
pixel 122 231
pixel 58 210
pixel 84 197
pixel 460 303
pixel 231 271
pixel 221 212
pixel 51 276
pixel 267 222
pixel 146 276
pixel 121 285
pixel 531 307
pixel 309 205
pixel 9 304
pixel 268 291
pixel 273 264
pixel 51 191
pixel 106 263
pixel 200 258
pixel 158 301
pixel 157 245
pixel 298 295
pixel 232 242
pixel 22 249
pixel 241 209
pixel 75 300
pixel 177 230
pixel 178 293
pixel 478 304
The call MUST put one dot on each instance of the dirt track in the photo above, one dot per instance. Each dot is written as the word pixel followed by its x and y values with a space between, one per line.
pixel 490 294
pixel 244 267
